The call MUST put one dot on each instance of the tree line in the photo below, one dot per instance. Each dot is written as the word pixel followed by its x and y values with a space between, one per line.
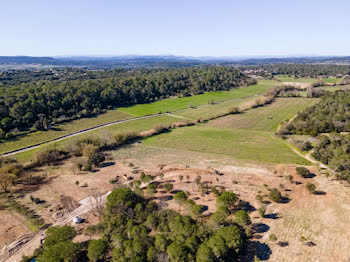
pixel 38 105
pixel 331 114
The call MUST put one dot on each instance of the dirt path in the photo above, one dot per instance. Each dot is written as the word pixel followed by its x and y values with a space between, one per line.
pixel 24 149
pixel 25 245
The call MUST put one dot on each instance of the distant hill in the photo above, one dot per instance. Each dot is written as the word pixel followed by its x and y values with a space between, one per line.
pixel 92 62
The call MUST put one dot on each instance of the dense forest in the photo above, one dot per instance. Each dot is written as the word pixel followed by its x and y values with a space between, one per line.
pixel 40 103
pixel 335 152
pixel 134 229
pixel 301 70
pixel 331 114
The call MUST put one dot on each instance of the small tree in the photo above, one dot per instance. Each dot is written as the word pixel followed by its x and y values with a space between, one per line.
pixel 6 180
pixel 181 177
pixel 96 250
pixel 151 189
pixel 311 188
pixel 168 187
pixel 96 159
pixel 289 178
pixel 275 195
pixel 262 211
pixel 180 198
pixel 303 171
pixel 273 237
pixel 227 199
pixel 242 218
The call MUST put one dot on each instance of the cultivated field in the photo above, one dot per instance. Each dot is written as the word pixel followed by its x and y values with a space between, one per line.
pixel 266 118
pixel 174 104
pixel 237 143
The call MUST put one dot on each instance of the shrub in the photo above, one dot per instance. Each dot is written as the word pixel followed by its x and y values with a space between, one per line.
pixel 168 187
pixel 89 150
pixel 47 157
pixel 311 188
pixel 275 195
pixel 96 159
pixel 242 218
pixel 273 237
pixel 151 189
pixel 262 211
pixel 306 146
pixel 303 171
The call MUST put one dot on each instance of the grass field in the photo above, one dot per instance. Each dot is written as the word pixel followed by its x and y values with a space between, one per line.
pixel 174 104
pixel 266 118
pixel 335 88
pixel 166 105
pixel 286 78
pixel 212 110
pixel 134 125
pixel 238 143
pixel 60 130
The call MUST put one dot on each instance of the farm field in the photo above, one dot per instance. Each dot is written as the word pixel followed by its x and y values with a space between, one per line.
pixel 335 88
pixel 166 105
pixel 237 143
pixel 174 104
pixel 134 125
pixel 286 78
pixel 61 130
pixel 266 118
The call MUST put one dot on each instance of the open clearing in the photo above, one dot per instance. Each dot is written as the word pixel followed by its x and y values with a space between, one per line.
pixel 237 143
pixel 266 118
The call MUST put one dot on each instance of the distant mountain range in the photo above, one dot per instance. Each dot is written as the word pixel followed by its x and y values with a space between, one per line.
pixel 136 61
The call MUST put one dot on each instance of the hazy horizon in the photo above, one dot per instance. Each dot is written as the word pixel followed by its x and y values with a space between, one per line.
pixel 183 28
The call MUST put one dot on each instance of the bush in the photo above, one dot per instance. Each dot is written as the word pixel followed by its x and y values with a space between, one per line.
pixel 262 211
pixel 273 237
pixel 96 159
pixel 168 187
pixel 275 195
pixel 303 171
pixel 242 218
pixel 47 157
pixel 306 146
pixel 151 189
pixel 311 188
pixel 89 150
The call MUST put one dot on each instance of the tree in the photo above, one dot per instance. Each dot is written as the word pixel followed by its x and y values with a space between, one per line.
pixel 65 251
pixel 180 197
pixel 205 254
pixel 57 234
pixel 6 180
pixel 196 210
pixel 97 249
pixel 161 242
pixel 303 171
pixel 151 189
pixel 227 199
pixel 220 215
pixel 262 211
pixel 311 188
pixel 242 218
pixel 168 187
pixel 233 237
pixel 96 159
pixel 177 252
pixel 275 195
pixel 181 177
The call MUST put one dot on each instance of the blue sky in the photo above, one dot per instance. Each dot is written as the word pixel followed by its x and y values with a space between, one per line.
pixel 179 27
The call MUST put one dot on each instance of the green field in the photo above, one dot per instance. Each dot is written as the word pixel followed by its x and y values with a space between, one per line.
pixel 266 118
pixel 135 125
pixel 174 104
pixel 238 143
pixel 29 139
pixel 335 88
pixel 286 78
pixel 212 110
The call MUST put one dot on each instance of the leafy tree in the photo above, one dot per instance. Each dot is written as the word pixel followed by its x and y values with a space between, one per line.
pixel 242 218
pixel 57 234
pixel 168 187
pixel 227 199
pixel 205 254
pixel 177 252
pixel 303 171
pixel 180 197
pixel 65 251
pixel 96 159
pixel 97 249
pixel 161 242
pixel 151 189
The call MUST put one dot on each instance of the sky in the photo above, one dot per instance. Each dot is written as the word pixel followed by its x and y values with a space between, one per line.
pixel 178 27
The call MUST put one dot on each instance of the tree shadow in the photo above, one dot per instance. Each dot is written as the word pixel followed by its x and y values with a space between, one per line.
pixel 285 200
pixel 165 198
pixel 283 243
pixel 272 216
pixel 263 251
pixel 106 164
pixel 320 193
pixel 260 228
pixel 246 206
